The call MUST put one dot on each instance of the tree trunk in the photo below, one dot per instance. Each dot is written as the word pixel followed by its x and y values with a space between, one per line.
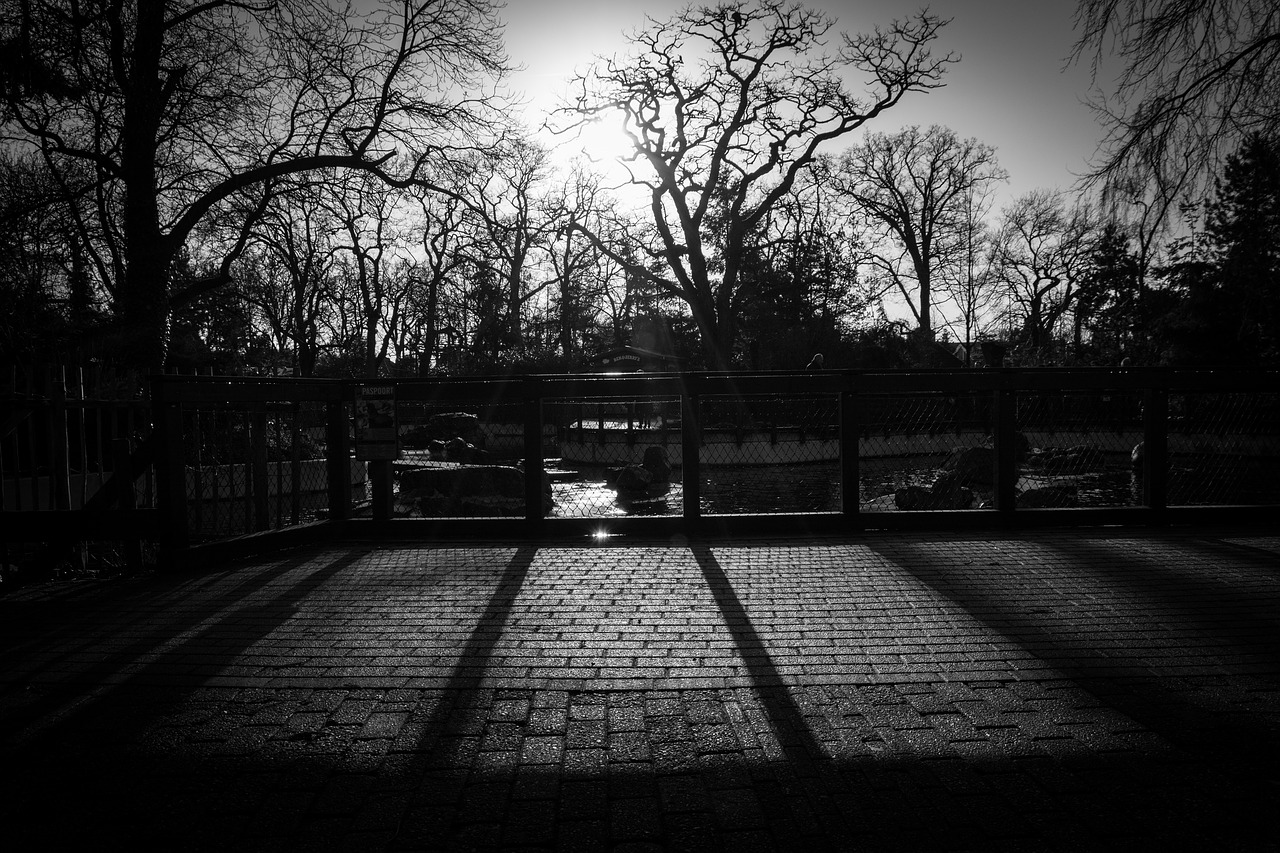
pixel 142 300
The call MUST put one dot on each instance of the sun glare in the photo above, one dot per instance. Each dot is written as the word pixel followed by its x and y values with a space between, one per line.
pixel 602 140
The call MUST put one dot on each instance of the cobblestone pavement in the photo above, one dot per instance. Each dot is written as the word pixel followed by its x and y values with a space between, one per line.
pixel 1064 690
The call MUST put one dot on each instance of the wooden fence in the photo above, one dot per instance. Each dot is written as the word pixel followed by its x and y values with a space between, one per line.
pixel 223 462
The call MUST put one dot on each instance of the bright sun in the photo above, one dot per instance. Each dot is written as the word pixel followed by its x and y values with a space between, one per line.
pixel 601 141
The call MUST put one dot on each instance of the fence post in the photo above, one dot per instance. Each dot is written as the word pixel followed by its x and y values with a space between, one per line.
pixel 380 482
pixel 691 468
pixel 122 467
pixel 1006 450
pixel 532 450
pixel 258 455
pixel 850 433
pixel 60 458
pixel 171 477
pixel 1155 448
pixel 337 442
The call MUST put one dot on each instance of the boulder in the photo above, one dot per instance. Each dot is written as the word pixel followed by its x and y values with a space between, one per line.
pixel 657 464
pixel 946 493
pixel 1070 460
pixel 449 424
pixel 451 489
pixel 631 479
pixel 977 464
pixel 1062 495
pixel 654 470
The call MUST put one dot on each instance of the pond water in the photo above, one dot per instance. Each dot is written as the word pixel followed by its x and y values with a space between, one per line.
pixel 815 487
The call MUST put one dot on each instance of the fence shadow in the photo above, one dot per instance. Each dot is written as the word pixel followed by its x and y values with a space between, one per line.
pixel 229 627
pixel 784 714
pixel 1199 629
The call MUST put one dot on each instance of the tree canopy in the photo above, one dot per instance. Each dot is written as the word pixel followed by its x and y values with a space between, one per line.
pixel 160 119
pixel 724 107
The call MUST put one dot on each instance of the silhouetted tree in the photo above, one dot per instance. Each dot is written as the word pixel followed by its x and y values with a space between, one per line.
pixel 1197 76
pixel 916 188
pixel 173 117
pixel 1109 301
pixel 1226 302
pixel 724 106
pixel 1039 256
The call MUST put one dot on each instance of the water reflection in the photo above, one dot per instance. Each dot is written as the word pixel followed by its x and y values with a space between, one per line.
pixel 809 488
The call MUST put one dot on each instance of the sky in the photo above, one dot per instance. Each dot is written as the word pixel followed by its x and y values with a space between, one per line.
pixel 1009 90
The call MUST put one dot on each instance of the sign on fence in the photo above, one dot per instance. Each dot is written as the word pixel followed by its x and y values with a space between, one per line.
pixel 376 432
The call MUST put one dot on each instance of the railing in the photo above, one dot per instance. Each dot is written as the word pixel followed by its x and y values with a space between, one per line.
pixel 74 459
pixel 566 455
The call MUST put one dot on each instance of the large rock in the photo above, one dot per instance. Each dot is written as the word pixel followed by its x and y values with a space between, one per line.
pixel 451 489
pixel 451 424
pixel 1063 495
pixel 945 493
pixel 447 427
pixel 654 470
pixel 1070 460
pixel 976 465
pixel 650 479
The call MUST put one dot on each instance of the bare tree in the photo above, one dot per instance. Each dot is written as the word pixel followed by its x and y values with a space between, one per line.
pixel 1198 76
pixel 1040 255
pixel 914 188
pixel 442 252
pixel 968 284
pixel 185 110
pixel 724 106
pixel 288 268
pixel 370 215
pixel 503 190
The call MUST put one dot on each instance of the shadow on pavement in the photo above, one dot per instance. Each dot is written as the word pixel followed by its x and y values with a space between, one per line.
pixel 221 624
pixel 784 714
pixel 1064 608
pixel 447 785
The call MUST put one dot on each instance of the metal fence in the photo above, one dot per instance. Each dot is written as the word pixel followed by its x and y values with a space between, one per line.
pixel 677 453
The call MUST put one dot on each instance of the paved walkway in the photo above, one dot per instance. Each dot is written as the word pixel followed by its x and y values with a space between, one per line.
pixel 1065 690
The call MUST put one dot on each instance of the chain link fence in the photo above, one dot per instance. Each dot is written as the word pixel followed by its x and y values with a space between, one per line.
pixel 257 456
pixel 461 461
pixel 1079 449
pixel 765 454
pixel 925 451
pixel 614 456
pixel 1223 449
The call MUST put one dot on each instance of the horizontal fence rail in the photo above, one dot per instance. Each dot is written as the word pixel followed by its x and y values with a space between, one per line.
pixel 674 454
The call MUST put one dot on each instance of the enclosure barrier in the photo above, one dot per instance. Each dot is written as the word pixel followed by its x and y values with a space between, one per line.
pixel 75 465
pixel 735 453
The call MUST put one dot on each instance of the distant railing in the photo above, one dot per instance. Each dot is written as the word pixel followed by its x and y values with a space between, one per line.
pixel 836 450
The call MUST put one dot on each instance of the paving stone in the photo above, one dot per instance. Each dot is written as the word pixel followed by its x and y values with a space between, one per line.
pixel 1058 691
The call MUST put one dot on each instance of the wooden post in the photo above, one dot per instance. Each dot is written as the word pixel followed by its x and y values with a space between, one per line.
pixel 338 460
pixel 295 458
pixel 1155 449
pixel 122 467
pixel 258 457
pixel 171 478
pixel 380 474
pixel 532 451
pixel 60 456
pixel 850 433
pixel 691 469
pixel 1006 451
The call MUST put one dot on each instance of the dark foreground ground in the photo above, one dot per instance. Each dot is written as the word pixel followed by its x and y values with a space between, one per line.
pixel 1065 690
